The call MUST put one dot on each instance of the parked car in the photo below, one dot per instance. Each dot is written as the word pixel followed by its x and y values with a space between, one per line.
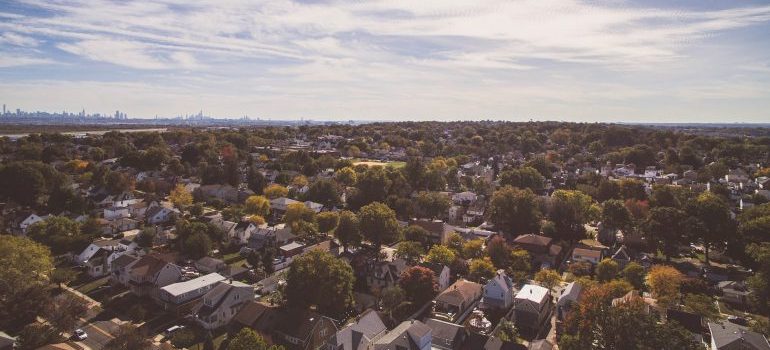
pixel 171 330
pixel 80 334
pixel 738 320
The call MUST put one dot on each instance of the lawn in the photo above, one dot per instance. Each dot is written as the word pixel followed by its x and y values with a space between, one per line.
pixel 395 164
pixel 91 286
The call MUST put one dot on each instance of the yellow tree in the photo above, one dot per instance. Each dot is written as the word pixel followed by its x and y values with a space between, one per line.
pixel 180 196
pixel 548 278
pixel 664 282
pixel 258 205
pixel 276 191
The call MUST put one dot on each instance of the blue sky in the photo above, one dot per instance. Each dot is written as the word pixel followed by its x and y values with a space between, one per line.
pixel 602 60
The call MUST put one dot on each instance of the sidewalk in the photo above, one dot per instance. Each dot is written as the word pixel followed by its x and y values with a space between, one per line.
pixel 91 302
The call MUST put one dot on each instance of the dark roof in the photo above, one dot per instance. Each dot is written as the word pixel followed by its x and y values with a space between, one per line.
pixel 725 335
pixel 690 321
pixel 444 333
pixel 257 315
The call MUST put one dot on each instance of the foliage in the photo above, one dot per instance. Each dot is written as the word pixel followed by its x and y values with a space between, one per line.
pixel 347 230
pixel 129 337
pixel 180 196
pixel 634 274
pixel 258 205
pixel 570 210
pixel 419 284
pixel 664 282
pixel 498 251
pixel 24 270
pixel 701 304
pixel 63 311
pixel 409 251
pixel 481 270
pixel 759 283
pixel 606 270
pixel 548 278
pixel 248 339
pixel 330 279
pixel 274 191
pixel 432 204
pixel 526 177
pixel 507 332
pixel 440 254
pixel 520 265
pixel 378 224
pixel 327 221
pixel 60 233
pixel 473 249
pixel 183 338
pixel 514 211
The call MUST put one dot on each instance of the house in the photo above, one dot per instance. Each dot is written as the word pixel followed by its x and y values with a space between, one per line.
pixel 120 267
pixel 592 256
pixel 257 316
pixel 98 264
pixel 158 215
pixel 568 297
pixel 475 212
pixel 182 297
pixel 730 336
pixel 734 292
pixel 241 232
pixel 650 305
pixel 360 334
pixel 531 307
pixel 304 329
pixel 438 231
pixel 384 274
pixel 222 303
pixel 112 213
pixel 445 335
pixel 409 335
pixel 225 193
pixel 453 303
pixel 543 251
pixel 279 205
pixel 208 264
pixel 464 198
pixel 622 256
pixel 123 224
pixel 24 220
pixel 498 292
pixel 94 247
pixel 541 344
pixel 442 272
pixel 150 273
pixel 274 236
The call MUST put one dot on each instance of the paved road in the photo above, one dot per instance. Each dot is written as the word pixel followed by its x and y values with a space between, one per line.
pixel 99 326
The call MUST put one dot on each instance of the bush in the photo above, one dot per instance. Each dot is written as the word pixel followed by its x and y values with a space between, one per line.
pixel 137 312
pixel 184 338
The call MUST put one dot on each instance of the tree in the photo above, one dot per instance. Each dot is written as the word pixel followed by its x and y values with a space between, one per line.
pixel 499 252
pixel 615 215
pixel 514 211
pixel 520 265
pixel 183 338
pixel 416 233
pixel 373 186
pixel 713 220
pixel 664 282
pixel 330 279
pixel 606 270
pixel 274 191
pixel 481 270
pixel 64 311
pixel 665 225
pixel 507 331
pixel 548 278
pixel 392 297
pixel 146 237
pixel 325 192
pixel 60 233
pixel 117 182
pixel 378 224
pixel 35 335
pixel 256 181
pixel 701 304
pixel 63 275
pixel 473 249
pixel 346 176
pixel 570 210
pixel 759 283
pixel 526 177
pixel 258 205
pixel 180 197
pixel 419 284
pixel 409 251
pixel 327 221
pixel 129 337
pixel 248 339
pixel 347 230
pixel 634 274
pixel 296 213
pixel 197 245
pixel 24 270
pixel 432 204
pixel 440 254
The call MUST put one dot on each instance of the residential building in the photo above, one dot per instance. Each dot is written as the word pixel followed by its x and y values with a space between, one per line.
pixel 568 297
pixel 531 307
pixel 543 251
pixel 409 335
pixel 182 297
pixel 360 334
pixel 456 301
pixel 730 336
pixel 222 303
pixel 150 273
pixel 442 272
pixel 446 335
pixel 498 292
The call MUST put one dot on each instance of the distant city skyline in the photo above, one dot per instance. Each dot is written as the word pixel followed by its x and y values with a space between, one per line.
pixel 565 60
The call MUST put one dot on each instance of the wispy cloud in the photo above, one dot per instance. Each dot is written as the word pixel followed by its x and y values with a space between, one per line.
pixel 488 56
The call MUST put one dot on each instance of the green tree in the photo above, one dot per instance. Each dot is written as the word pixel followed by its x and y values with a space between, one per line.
pixel 520 265
pixel 759 283
pixel 665 226
pixel 615 215
pixel 440 254
pixel 481 270
pixel 60 233
pixel 248 339
pixel 378 224
pixel 570 210
pixel 256 181
pixel 473 249
pixel 701 304
pixel 392 297
pixel 347 230
pixel 325 192
pixel 409 251
pixel 417 234
pixel 24 270
pixel 346 176
pixel 634 274
pixel 514 211
pixel 507 331
pixel 499 252
pixel 327 221
pixel 197 245
pixel 63 312
pixel 129 337
pixel 526 177
pixel 606 270
pixel 432 204
pixel 330 279
pixel 713 220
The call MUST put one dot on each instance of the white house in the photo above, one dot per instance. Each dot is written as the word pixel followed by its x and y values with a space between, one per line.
pixel 158 215
pixel 113 213
pixel 443 274
pixel 222 303
pixel 25 220
pixel 94 247
pixel 531 306
pixel 241 233
pixel 498 292
pixel 567 298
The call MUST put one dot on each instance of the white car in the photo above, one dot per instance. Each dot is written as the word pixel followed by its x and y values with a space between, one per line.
pixel 173 329
pixel 80 334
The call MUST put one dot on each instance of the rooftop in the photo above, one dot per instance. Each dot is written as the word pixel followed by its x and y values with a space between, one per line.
pixel 180 288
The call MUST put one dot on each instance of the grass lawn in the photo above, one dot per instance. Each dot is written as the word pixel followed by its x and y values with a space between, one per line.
pixel 395 164
pixel 92 285
pixel 219 337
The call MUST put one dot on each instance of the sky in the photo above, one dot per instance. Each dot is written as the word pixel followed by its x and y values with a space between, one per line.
pixel 565 60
